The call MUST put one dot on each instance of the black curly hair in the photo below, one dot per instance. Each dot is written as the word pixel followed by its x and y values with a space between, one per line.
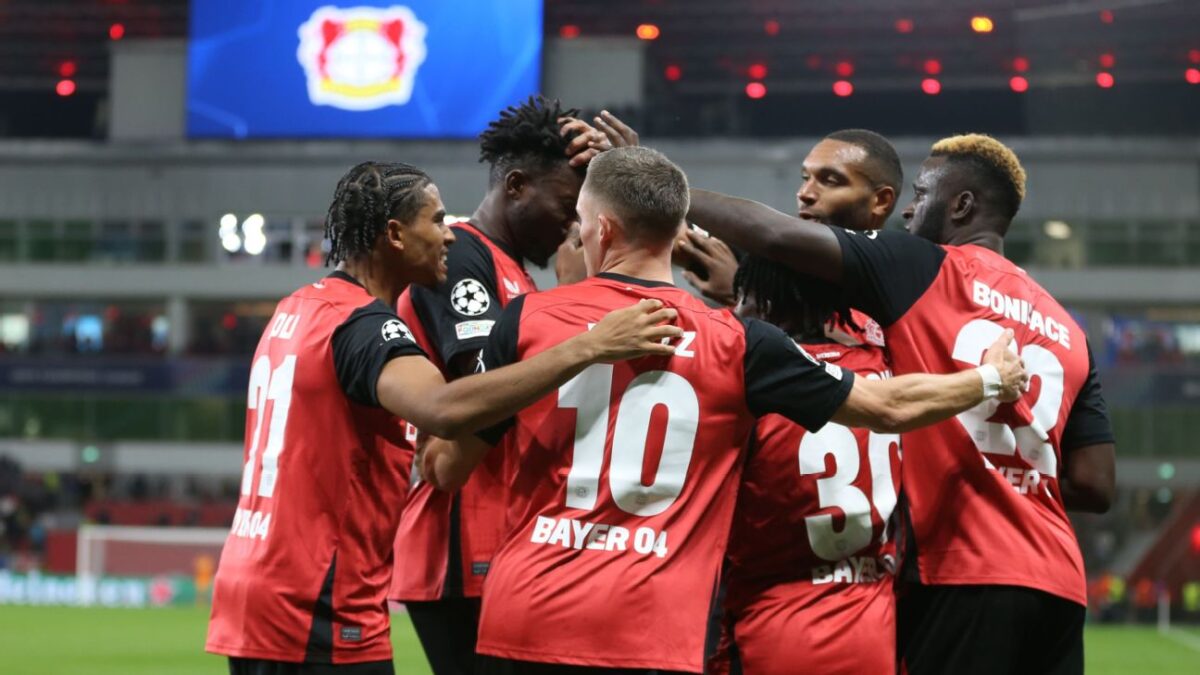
pixel 784 298
pixel 366 197
pixel 526 137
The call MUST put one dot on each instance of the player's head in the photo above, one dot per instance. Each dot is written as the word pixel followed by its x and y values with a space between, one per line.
pixel 390 213
pixel 774 293
pixel 531 175
pixel 969 183
pixel 852 179
pixel 633 198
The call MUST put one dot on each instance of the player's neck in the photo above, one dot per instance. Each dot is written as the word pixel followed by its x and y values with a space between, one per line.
pixel 489 218
pixel 640 264
pixel 373 276
pixel 988 238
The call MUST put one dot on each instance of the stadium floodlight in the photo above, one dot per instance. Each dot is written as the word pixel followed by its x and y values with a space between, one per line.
pixel 231 242
pixel 1057 229
pixel 252 229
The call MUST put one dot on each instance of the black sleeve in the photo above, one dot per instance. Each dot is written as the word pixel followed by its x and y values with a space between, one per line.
pixel 501 350
pixel 885 272
pixel 1088 423
pixel 362 346
pixel 459 314
pixel 783 378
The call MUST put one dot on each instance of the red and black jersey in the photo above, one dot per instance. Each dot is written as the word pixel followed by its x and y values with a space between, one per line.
pixel 811 557
pixel 456 318
pixel 304 573
pixel 982 489
pixel 624 480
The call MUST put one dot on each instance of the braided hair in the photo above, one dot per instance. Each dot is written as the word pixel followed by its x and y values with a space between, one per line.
pixel 366 197
pixel 525 137
pixel 785 298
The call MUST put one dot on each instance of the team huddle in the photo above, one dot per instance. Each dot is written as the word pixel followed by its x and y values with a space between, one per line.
pixel 855 454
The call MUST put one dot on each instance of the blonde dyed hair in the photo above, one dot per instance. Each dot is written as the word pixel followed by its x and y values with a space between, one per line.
pixel 991 153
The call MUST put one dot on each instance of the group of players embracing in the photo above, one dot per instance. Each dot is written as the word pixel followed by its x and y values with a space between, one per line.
pixel 615 476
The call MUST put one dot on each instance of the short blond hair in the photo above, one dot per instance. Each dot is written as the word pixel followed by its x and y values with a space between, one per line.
pixel 996 158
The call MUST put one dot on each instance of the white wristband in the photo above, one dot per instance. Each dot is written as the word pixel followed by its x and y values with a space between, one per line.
pixel 991 380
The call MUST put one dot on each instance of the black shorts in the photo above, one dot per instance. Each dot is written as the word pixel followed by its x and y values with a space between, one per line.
pixel 988 630
pixel 264 667
pixel 491 665
pixel 447 630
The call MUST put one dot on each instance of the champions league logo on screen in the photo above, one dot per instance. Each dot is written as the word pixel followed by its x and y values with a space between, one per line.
pixel 361 58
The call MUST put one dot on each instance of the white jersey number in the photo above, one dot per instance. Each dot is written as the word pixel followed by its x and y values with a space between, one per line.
pixel 838 490
pixel 268 386
pixel 589 394
pixel 1030 441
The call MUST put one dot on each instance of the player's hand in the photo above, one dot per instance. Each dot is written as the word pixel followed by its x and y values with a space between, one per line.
pixel 1013 378
pixel 709 265
pixel 569 266
pixel 618 134
pixel 637 330
pixel 587 142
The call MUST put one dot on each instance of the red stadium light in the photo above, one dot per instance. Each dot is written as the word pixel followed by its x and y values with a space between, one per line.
pixel 1105 80
pixel 67 69
pixel 844 69
pixel 933 66
pixel 1196 539
pixel 1018 84
pixel 1106 16
pixel 757 71
pixel 843 88
pixel 1194 55
pixel 673 72
pixel 569 31
pixel 1192 75
pixel 982 24
pixel 65 87
pixel 756 90
pixel 771 27
pixel 229 321
pixel 931 86
pixel 813 61
pixel 1107 60
pixel 1020 64
pixel 116 31
pixel 648 31
pixel 904 26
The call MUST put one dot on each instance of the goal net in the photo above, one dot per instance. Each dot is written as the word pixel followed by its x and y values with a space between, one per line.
pixel 106 551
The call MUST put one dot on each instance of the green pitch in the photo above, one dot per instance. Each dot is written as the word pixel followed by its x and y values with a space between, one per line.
pixel 69 641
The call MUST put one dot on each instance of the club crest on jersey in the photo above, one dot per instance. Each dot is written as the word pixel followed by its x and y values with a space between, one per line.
pixel 361 58
pixel 395 328
pixel 470 298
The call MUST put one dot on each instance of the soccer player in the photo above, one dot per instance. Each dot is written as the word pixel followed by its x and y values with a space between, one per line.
pixel 811 561
pixel 445 542
pixel 994 577
pixel 625 479
pixel 851 179
pixel 303 576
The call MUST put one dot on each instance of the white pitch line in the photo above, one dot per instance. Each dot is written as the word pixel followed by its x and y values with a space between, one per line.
pixel 1186 639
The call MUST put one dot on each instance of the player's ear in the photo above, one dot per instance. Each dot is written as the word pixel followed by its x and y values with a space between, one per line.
pixel 393 234
pixel 885 200
pixel 608 229
pixel 516 182
pixel 963 206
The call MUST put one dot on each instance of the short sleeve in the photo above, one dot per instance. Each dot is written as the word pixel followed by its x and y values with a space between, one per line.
pixel 1088 422
pixel 501 350
pixel 458 315
pixel 885 272
pixel 370 337
pixel 783 378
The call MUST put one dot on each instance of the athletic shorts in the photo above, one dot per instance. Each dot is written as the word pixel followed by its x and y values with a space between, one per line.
pixel 490 665
pixel 988 630
pixel 264 667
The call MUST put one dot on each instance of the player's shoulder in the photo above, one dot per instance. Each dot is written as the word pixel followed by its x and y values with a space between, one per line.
pixel 338 291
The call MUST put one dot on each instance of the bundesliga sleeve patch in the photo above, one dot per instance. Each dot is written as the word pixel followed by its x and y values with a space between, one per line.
pixel 395 328
pixel 470 298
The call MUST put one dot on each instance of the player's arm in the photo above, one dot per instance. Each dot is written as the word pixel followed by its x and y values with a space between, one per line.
pixel 448 464
pixel 781 378
pixel 411 387
pixel 916 400
pixel 1088 480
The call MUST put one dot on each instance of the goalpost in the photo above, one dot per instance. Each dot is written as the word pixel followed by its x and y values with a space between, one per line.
pixel 135 551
